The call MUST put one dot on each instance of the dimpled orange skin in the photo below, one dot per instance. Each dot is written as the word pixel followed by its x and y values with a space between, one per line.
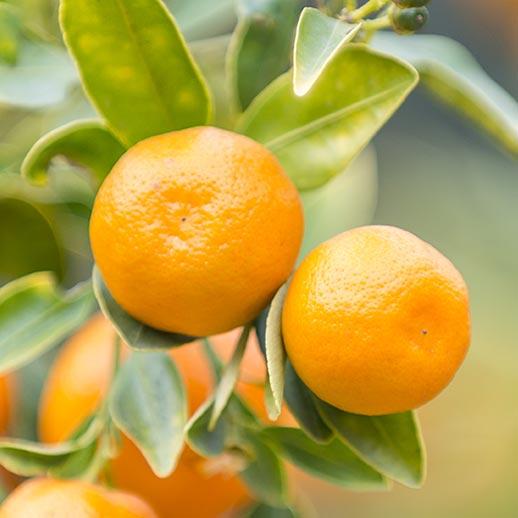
pixel 194 231
pixel 49 498
pixel 376 321
pixel 79 379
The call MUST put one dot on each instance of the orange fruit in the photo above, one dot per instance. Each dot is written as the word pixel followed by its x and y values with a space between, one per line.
pixel 376 321
pixel 49 498
pixel 194 231
pixel 5 403
pixel 80 377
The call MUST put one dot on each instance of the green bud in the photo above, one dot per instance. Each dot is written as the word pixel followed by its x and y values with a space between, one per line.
pixel 406 21
pixel 410 3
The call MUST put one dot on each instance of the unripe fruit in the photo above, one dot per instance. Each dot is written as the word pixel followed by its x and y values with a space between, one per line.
pixel 410 3
pixel 406 21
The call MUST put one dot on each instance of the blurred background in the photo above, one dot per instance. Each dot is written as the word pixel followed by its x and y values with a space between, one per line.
pixel 437 178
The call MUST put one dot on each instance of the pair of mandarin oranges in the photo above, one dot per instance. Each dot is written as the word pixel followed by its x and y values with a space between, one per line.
pixel 193 232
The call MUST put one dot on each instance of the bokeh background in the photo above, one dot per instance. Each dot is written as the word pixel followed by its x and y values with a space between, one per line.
pixel 437 178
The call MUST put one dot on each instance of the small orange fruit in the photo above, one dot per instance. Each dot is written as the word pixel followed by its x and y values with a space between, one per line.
pixel 376 321
pixel 80 378
pixel 194 231
pixel 49 498
pixel 5 404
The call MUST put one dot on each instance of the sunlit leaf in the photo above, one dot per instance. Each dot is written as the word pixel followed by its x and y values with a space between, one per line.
pixel 35 316
pixel 318 39
pixel 148 403
pixel 134 333
pixel 334 461
pixel 392 444
pixel 10 33
pixel 87 143
pixel 261 43
pixel 135 66
pixel 316 136
pixel 450 72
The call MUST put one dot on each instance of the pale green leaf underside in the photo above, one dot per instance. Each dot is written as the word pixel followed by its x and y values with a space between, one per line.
pixel 316 136
pixel 148 403
pixel 275 353
pixel 318 39
pixel 449 71
pixel 135 66
pixel 392 444
pixel 87 143
pixel 35 316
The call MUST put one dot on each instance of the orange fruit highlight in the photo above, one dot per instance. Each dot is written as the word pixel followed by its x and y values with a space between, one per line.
pixel 376 321
pixel 49 498
pixel 194 231
pixel 79 379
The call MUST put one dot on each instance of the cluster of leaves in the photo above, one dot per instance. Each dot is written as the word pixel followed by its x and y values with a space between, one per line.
pixel 147 72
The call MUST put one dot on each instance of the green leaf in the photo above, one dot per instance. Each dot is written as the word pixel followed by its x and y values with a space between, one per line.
pixel 275 353
pixel 348 200
pixel 42 77
pixel 134 333
pixel 317 40
pixel 265 474
pixel 35 316
pixel 303 407
pixel 267 511
pixel 148 403
pixel 261 45
pixel 210 443
pixel 316 136
pixel 392 444
pixel 87 143
pixel 229 378
pixel 9 33
pixel 450 72
pixel 29 458
pixel 334 461
pixel 135 66
pixel 28 239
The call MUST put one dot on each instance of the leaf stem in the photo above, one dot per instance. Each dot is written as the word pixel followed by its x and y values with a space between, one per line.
pixel 372 26
pixel 351 5
pixel 367 8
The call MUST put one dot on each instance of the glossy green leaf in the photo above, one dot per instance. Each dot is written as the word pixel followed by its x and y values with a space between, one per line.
pixel 29 458
pixel 148 403
pixel 135 66
pixel 35 316
pixel 303 407
pixel 348 200
pixel 42 77
pixel 275 353
pixel 229 377
pixel 316 136
pixel 134 333
pixel 265 474
pixel 28 239
pixel 450 72
pixel 10 27
pixel 318 39
pixel 87 143
pixel 260 49
pixel 392 444
pixel 334 461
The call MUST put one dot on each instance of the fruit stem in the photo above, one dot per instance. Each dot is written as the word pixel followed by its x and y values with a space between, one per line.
pixel 367 8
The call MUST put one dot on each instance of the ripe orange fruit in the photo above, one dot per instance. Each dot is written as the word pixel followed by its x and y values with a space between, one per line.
pixel 5 404
pixel 194 231
pixel 80 378
pixel 49 498
pixel 376 321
